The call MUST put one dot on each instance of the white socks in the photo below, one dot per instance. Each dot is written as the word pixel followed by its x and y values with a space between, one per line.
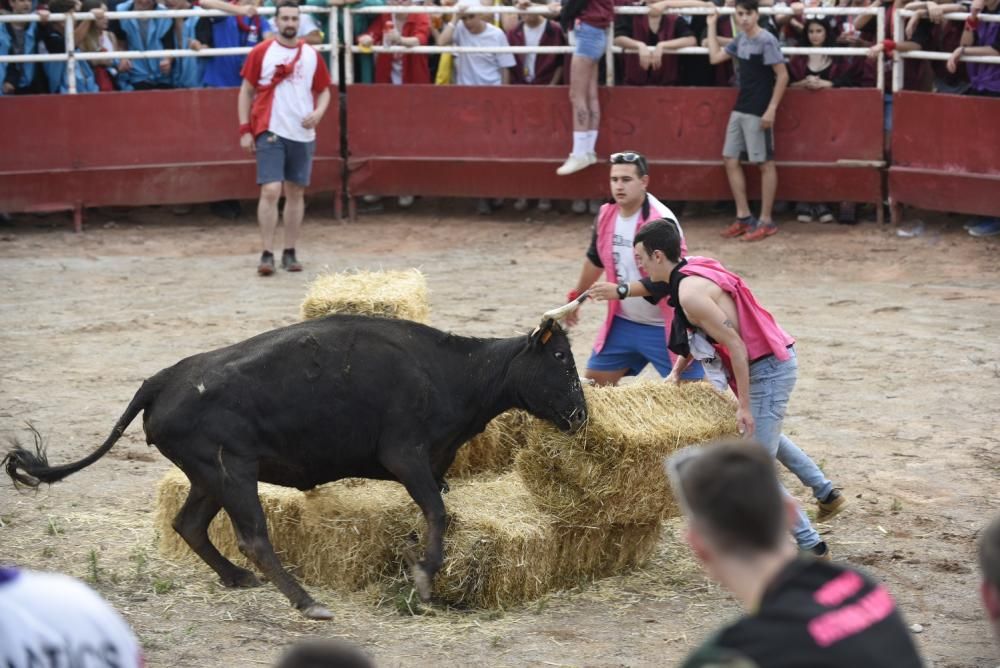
pixel 591 140
pixel 580 143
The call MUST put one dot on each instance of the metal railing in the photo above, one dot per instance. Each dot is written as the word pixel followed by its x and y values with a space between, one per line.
pixel 899 56
pixel 71 56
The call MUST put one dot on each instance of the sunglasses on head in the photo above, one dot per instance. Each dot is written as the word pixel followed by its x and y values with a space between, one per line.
pixel 626 156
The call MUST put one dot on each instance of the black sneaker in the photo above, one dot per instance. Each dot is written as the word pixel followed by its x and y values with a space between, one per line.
pixel 818 551
pixel 288 261
pixel 266 266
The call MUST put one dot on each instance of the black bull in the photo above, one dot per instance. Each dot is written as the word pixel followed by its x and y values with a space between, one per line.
pixel 338 397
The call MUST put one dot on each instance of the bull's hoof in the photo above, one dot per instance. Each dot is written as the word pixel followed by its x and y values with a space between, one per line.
pixel 422 582
pixel 318 612
pixel 242 580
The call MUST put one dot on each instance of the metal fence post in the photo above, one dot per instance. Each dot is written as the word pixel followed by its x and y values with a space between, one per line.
pixel 70 55
pixel 348 46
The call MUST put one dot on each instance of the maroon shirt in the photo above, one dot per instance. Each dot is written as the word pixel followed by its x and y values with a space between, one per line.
pixel 672 26
pixel 546 64
pixel 598 13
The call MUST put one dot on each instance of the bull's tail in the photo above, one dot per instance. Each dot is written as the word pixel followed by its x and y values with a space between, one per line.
pixel 32 468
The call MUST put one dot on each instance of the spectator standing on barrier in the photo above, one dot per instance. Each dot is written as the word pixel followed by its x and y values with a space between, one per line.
pixel 145 35
pixel 285 92
pixel 989 566
pixel 716 317
pixel 100 40
pixel 634 333
pixel 799 612
pixel 763 78
pixel 478 69
pixel 536 69
pixel 19 39
pixel 49 619
pixel 981 38
pixel 52 39
pixel 650 36
pixel 590 20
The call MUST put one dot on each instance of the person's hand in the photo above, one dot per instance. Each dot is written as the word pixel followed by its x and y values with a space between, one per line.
pixel 523 4
pixel 767 120
pixel 798 9
pixel 744 422
pixel 657 56
pixel 911 26
pixel 952 63
pixel 935 12
pixel 8 88
pixel 43 15
pixel 712 18
pixel 977 6
pixel 645 56
pixel 554 7
pixel 165 66
pixel 603 291
pixel 394 37
pixel 246 10
pixel 673 377
pixel 365 41
pixel 124 65
pixel 98 13
pixel 195 45
pixel 655 10
pixel 874 51
pixel 311 120
pixel 247 143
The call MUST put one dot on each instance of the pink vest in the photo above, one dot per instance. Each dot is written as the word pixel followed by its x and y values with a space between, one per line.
pixel 606 220
pixel 758 329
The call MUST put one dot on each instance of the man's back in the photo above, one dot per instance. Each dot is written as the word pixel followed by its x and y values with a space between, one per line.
pixel 815 614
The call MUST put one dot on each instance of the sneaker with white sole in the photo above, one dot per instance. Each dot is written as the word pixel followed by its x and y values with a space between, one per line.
pixel 371 199
pixel 544 205
pixel 405 201
pixel 594 207
pixel 520 204
pixel 579 206
pixel 987 228
pixel 575 163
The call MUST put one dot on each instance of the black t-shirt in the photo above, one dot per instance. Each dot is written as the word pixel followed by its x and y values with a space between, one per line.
pixel 819 615
pixel 755 57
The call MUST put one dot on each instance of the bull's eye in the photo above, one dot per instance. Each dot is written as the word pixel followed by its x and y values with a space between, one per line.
pixel 559 355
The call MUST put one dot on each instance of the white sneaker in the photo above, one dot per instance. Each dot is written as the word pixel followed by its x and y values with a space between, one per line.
pixel 574 163
pixel 371 199
pixel 544 205
pixel 579 206
pixel 405 201
pixel 520 204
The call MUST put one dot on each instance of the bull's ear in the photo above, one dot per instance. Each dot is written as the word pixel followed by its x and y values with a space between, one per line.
pixel 542 333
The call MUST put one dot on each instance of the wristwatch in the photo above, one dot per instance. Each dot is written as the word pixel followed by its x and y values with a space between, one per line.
pixel 622 290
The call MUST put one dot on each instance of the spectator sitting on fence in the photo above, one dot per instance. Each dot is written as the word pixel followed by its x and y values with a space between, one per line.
pixel 406 30
pixel 478 69
pixel 187 72
pixel 541 69
pixel 243 28
pixel 145 35
pixel 52 39
pixel 99 39
pixel 799 612
pixel 650 36
pixel 309 30
pixel 19 39
pixel 980 38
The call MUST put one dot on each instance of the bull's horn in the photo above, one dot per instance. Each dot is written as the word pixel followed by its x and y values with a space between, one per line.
pixel 563 311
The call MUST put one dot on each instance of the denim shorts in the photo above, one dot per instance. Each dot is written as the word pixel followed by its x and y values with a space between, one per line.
pixel 632 345
pixel 887 110
pixel 280 159
pixel 590 41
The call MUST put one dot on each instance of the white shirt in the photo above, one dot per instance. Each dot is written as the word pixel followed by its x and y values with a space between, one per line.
pixel 45 615
pixel 532 37
pixel 481 69
pixel 636 309
pixel 293 97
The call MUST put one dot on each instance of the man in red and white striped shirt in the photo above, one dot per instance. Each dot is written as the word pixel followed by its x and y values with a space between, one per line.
pixel 285 92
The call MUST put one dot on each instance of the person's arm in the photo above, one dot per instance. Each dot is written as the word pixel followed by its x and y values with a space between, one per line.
pixel 447 34
pixel 643 50
pixel 704 313
pixel 557 76
pixel 715 53
pixel 243 104
pixel 504 76
pixel 223 6
pixel 589 273
pixel 322 102
pixel 780 84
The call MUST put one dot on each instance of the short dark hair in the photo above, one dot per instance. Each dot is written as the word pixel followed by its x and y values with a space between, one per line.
pixel 634 158
pixel 989 554
pixel 61 6
pixel 662 235
pixel 286 3
pixel 731 491
pixel 324 654
pixel 749 5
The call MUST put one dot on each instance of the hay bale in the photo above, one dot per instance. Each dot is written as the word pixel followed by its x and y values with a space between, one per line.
pixel 610 473
pixel 390 294
pixel 493 450
pixel 500 549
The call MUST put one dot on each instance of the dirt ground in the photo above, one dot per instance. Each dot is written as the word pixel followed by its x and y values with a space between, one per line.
pixel 899 380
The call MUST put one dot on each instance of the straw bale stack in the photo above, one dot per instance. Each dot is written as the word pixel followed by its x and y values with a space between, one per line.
pixel 390 294
pixel 610 473
pixel 493 450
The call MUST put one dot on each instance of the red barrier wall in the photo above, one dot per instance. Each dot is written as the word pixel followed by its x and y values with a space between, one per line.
pixel 946 152
pixel 453 140
pixel 152 147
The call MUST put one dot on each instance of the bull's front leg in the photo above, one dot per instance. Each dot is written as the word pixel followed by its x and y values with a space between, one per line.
pixel 411 468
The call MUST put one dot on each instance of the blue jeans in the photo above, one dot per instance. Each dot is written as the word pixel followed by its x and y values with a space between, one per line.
pixel 771 385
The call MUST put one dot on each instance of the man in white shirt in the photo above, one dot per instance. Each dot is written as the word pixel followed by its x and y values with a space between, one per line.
pixel 634 333
pixel 478 69
pixel 285 92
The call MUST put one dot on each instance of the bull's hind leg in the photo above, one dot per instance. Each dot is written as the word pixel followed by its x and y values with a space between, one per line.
pixel 192 524
pixel 240 500
pixel 415 473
